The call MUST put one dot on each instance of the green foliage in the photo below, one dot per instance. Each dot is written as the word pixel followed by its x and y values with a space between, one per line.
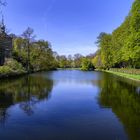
pixel 119 37
pixel 87 65
pixel 14 65
pixel 97 61
pixel 105 45
pixel 63 61
pixel 5 70
pixel 122 47
pixel 70 61
pixel 41 54
pixel 78 60
pixel 11 66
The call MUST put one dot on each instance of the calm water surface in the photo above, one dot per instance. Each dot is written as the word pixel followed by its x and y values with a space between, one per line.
pixel 70 105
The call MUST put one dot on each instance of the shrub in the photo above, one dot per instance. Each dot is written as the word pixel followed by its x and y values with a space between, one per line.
pixel 14 65
pixel 5 70
pixel 11 67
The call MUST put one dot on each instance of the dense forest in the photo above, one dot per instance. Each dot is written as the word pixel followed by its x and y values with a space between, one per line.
pixel 121 49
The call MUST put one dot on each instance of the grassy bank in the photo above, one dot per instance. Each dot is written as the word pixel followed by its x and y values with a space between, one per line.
pixel 126 75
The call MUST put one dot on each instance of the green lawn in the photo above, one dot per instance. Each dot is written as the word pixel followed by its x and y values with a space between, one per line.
pixel 130 76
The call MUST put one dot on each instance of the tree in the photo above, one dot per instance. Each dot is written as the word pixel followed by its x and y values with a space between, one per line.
pixel 87 65
pixel 77 60
pixel 70 61
pixel 2 3
pixel 20 51
pixel 63 62
pixel 28 34
pixel 42 56
pixel 119 39
pixel 105 43
pixel 122 47
pixel 97 61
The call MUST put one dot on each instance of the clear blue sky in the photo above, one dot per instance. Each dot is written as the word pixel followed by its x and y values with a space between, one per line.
pixel 72 26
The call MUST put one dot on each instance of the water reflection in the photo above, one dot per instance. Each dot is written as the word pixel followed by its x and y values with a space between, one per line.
pixel 26 91
pixel 74 77
pixel 81 106
pixel 122 97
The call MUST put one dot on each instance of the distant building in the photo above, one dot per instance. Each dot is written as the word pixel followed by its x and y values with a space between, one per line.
pixel 5 44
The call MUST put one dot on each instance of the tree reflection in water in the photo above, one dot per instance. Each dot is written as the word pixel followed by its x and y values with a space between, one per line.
pixel 26 91
pixel 122 97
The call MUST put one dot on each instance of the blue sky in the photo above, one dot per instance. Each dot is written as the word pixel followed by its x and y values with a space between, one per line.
pixel 71 26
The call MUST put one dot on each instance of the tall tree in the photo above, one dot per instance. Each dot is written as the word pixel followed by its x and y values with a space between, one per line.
pixel 2 3
pixel 122 47
pixel 105 43
pixel 28 34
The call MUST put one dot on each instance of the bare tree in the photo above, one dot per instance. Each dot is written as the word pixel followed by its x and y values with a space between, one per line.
pixel 2 3
pixel 28 34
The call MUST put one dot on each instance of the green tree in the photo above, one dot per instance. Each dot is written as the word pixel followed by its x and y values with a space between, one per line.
pixel 39 53
pixel 87 64
pixel 122 47
pixel 77 60
pixel 97 61
pixel 105 44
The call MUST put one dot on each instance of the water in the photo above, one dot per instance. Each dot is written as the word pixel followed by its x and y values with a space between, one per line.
pixel 70 105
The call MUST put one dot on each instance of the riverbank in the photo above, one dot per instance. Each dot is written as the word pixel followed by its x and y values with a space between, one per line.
pixel 12 68
pixel 11 75
pixel 68 69
pixel 135 77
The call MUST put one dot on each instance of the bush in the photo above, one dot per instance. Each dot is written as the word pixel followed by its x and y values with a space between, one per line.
pixel 14 65
pixel 5 70
pixel 11 67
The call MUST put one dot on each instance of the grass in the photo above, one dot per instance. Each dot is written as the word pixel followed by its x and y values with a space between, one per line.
pixel 130 76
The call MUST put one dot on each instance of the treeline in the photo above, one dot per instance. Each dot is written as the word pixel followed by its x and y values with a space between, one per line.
pixel 77 61
pixel 37 55
pixel 31 55
pixel 121 49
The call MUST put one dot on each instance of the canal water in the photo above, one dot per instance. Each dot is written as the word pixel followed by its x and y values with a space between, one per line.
pixel 69 105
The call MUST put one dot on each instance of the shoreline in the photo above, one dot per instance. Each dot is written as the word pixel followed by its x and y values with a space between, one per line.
pixel 12 75
pixel 134 77
pixel 16 75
